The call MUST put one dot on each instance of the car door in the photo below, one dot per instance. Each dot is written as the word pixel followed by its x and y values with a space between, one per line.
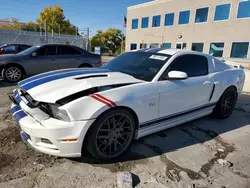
pixel 43 60
pixel 178 96
pixel 67 57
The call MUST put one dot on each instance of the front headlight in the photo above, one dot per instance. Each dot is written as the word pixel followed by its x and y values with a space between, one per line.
pixel 59 113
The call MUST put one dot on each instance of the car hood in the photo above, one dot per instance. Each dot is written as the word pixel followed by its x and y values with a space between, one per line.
pixel 53 86
pixel 9 57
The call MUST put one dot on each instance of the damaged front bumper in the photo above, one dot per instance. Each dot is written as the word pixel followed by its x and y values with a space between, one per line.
pixel 46 134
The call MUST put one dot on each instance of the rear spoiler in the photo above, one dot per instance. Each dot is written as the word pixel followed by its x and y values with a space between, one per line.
pixel 233 64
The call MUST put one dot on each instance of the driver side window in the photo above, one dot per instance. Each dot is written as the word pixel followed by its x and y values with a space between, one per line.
pixel 47 50
pixel 193 65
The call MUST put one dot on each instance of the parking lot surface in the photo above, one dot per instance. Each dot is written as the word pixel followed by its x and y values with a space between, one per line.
pixel 203 153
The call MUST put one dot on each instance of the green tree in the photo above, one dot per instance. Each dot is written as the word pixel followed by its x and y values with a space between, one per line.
pixel 110 40
pixel 54 19
pixel 31 26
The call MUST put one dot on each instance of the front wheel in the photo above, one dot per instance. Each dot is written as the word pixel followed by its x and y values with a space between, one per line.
pixel 13 74
pixel 226 103
pixel 111 134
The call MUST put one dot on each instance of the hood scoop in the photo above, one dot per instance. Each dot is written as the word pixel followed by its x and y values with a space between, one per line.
pixel 91 76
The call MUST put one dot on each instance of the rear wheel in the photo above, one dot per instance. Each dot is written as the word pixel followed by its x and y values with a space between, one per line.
pixel 111 134
pixel 13 74
pixel 226 103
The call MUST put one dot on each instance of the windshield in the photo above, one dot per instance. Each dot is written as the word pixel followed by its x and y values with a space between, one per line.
pixel 141 65
pixel 29 50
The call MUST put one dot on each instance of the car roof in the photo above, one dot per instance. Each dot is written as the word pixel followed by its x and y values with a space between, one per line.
pixel 56 45
pixel 169 51
pixel 15 44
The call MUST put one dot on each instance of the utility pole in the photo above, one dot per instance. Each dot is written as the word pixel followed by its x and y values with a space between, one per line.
pixel 52 36
pixel 45 29
pixel 88 45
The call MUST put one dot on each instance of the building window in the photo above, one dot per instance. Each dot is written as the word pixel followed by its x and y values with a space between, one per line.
pixel 169 19
pixel 216 49
pixel 184 17
pixel 239 49
pixel 156 21
pixel 154 45
pixel 142 46
pixel 201 15
pixel 144 22
pixel 134 23
pixel 222 12
pixel 244 9
pixel 166 45
pixel 198 47
pixel 181 45
pixel 133 46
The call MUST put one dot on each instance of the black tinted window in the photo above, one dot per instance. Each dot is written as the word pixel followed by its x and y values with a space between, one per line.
pixel 10 49
pixel 23 47
pixel 67 50
pixel 193 65
pixel 47 50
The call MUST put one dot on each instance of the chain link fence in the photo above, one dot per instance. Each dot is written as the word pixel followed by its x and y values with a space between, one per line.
pixel 36 38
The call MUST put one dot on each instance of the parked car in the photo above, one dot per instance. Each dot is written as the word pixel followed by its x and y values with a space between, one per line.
pixel 13 48
pixel 49 57
pixel 136 94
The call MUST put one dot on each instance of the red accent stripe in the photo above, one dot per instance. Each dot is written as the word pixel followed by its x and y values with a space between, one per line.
pixel 101 100
pixel 104 98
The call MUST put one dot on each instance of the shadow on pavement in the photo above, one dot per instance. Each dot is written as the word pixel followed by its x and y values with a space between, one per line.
pixel 188 134
pixel 6 84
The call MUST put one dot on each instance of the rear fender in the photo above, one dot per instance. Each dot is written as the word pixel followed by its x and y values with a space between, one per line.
pixel 225 79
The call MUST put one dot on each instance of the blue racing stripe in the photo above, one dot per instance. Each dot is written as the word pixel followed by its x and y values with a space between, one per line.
pixel 14 109
pixel 44 75
pixel 25 135
pixel 18 98
pixel 143 50
pixel 155 50
pixel 19 115
pixel 60 76
pixel 15 92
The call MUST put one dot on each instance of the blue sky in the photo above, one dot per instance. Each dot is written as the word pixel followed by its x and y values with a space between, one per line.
pixel 96 14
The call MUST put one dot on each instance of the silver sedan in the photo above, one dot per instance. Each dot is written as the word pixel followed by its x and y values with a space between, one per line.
pixel 49 57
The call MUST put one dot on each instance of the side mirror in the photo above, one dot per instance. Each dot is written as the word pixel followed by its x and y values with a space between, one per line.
pixel 2 49
pixel 34 54
pixel 177 75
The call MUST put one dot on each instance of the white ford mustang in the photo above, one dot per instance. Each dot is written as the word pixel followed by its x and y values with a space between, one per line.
pixel 134 95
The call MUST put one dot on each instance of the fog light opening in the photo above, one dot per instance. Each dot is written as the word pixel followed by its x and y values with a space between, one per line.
pixel 46 141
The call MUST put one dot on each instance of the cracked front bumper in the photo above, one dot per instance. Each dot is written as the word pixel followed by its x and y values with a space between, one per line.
pixel 49 135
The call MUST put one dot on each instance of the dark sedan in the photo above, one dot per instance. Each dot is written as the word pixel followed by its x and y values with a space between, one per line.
pixel 49 57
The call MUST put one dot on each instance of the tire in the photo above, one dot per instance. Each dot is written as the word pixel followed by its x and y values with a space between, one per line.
pixel 226 104
pixel 13 73
pixel 105 141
